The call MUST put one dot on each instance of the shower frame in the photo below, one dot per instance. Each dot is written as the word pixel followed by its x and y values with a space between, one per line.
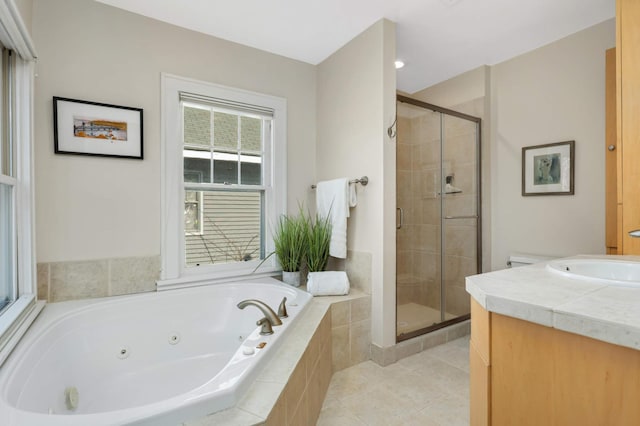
pixel 445 323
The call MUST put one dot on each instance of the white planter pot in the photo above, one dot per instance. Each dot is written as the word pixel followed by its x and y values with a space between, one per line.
pixel 291 278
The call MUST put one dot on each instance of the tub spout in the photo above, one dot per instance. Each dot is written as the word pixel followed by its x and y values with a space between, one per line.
pixel 270 317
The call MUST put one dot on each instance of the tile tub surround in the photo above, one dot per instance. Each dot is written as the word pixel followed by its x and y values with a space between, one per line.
pixel 358 268
pixel 291 389
pixel 357 265
pixel 61 281
pixel 351 331
pixel 603 312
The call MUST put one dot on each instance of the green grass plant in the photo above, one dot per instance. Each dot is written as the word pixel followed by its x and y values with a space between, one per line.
pixel 318 240
pixel 290 240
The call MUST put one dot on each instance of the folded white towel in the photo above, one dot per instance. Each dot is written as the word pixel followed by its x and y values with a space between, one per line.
pixel 353 196
pixel 332 201
pixel 328 283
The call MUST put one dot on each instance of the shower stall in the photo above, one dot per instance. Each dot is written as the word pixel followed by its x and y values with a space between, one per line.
pixel 438 215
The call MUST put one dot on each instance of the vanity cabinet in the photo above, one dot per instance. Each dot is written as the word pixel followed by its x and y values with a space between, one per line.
pixel 528 374
pixel 628 124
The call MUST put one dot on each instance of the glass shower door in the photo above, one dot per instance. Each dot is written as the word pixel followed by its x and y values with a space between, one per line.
pixel 418 222
pixel 437 239
pixel 460 218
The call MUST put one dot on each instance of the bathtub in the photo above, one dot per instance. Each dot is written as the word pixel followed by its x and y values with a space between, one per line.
pixel 149 359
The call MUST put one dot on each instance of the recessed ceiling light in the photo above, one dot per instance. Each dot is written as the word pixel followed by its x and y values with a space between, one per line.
pixel 399 64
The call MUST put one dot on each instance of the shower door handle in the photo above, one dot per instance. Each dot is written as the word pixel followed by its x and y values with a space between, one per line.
pixel 401 221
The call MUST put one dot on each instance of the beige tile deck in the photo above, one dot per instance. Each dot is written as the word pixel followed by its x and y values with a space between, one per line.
pixel 430 388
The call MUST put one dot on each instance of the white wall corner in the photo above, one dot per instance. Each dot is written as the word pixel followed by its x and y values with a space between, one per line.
pixel 386 335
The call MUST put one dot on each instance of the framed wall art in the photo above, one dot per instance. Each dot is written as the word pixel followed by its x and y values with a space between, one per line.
pixel 91 128
pixel 548 169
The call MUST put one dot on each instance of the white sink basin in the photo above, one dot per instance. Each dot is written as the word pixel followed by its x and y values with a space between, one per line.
pixel 607 271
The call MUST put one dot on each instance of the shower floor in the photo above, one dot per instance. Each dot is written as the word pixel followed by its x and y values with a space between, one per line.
pixel 413 316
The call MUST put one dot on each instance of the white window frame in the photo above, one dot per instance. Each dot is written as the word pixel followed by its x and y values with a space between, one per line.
pixel 174 271
pixel 16 319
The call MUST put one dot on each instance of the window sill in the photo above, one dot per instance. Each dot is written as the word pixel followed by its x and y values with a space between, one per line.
pixel 213 278
pixel 15 322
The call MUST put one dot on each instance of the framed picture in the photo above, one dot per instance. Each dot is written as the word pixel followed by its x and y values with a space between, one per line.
pixel 548 169
pixel 91 128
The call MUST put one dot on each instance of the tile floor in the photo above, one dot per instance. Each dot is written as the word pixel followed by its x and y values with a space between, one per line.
pixel 430 388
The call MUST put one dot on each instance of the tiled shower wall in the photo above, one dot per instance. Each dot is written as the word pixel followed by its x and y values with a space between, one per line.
pixel 418 240
pixel 461 234
pixel 418 183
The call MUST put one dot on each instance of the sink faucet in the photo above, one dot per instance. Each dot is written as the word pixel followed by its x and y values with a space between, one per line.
pixel 270 317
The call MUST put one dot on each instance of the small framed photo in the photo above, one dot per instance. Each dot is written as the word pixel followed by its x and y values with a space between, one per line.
pixel 91 128
pixel 548 169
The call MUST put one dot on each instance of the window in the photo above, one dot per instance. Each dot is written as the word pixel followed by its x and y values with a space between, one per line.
pixel 224 180
pixel 223 148
pixel 8 183
pixel 18 307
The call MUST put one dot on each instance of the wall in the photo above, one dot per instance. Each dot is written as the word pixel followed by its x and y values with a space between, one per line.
pixel 455 91
pixel 25 7
pixel 101 208
pixel 356 102
pixel 552 94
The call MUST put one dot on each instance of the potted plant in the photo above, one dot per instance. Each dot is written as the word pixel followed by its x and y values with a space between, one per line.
pixel 290 240
pixel 318 240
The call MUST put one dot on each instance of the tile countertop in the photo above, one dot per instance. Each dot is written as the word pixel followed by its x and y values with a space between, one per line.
pixel 606 312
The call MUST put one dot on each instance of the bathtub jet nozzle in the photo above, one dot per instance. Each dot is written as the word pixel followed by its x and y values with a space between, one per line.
pixel 270 318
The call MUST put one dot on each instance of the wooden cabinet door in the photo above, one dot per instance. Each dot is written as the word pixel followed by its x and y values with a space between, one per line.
pixel 611 155
pixel 480 366
pixel 544 376
pixel 628 111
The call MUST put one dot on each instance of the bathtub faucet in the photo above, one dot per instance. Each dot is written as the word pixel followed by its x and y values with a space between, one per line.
pixel 270 317
pixel 282 309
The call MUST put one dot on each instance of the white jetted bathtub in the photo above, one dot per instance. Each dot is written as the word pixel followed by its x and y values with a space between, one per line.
pixel 149 359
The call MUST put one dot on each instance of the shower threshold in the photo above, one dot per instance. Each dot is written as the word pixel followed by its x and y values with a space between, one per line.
pixel 414 319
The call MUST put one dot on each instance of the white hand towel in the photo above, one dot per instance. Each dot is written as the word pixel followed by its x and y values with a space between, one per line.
pixel 328 283
pixel 353 196
pixel 332 201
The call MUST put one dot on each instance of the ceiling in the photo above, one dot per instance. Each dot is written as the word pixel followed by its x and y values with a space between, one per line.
pixel 437 39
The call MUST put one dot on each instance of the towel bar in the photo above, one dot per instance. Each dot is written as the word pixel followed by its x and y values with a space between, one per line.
pixel 364 180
